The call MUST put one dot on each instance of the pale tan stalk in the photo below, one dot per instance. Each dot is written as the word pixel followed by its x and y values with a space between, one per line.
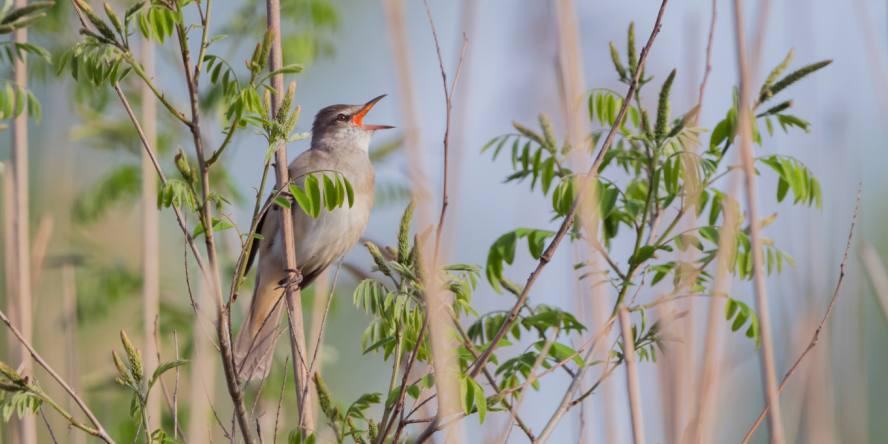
pixel 26 428
pixel 410 111
pixel 150 236
pixel 293 296
pixel 769 372
pixel 632 377
pixel 72 346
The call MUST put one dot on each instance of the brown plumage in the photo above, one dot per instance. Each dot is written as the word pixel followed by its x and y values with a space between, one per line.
pixel 340 142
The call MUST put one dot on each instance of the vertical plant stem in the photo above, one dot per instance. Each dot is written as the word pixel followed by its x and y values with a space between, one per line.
pixel 775 421
pixel 72 355
pixel 150 237
pixel 203 376
pixel 410 115
pixel 223 321
pixel 708 63
pixel 26 428
pixel 632 377
pixel 293 296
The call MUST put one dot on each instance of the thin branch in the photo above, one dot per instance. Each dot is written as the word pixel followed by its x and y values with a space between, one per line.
pixel 170 402
pixel 321 330
pixel 280 401
pixel 632 377
pixel 819 327
pixel 92 418
pixel 708 64
pixel 583 189
pixel 52 435
pixel 544 352
pixel 176 393
pixel 761 292
pixel 567 359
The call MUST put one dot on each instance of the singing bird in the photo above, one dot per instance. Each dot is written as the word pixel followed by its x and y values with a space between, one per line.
pixel 339 142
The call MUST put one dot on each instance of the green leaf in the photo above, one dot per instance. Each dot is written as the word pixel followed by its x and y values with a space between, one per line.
pixel 644 253
pixel 413 391
pixel 289 69
pixel 378 344
pixel 301 198
pixel 163 368
pixel 312 189
pixel 428 381
pixel 283 202
pixel 349 192
pixel 481 401
pixel 330 194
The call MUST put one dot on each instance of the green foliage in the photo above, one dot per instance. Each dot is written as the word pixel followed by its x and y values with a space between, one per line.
pixel 123 184
pixel 740 313
pixel 665 171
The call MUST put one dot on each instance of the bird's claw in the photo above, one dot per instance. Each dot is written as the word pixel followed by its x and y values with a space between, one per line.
pixel 293 279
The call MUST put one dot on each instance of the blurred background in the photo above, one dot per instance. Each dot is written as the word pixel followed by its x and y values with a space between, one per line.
pixel 86 211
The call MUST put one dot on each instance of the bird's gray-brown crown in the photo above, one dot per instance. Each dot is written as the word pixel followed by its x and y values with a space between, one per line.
pixel 342 126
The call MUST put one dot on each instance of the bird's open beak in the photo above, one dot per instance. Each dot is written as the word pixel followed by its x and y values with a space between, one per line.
pixel 358 119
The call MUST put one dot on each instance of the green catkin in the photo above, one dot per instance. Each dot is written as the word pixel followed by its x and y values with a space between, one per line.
pixel 418 266
pixel 776 109
pixel 548 133
pixel 266 105
pixel 291 123
pixel 284 109
pixel 377 258
pixel 615 56
pixel 404 234
pixel 324 397
pixel 103 28
pixel 11 374
pixel 115 20
pixel 772 77
pixel 29 21
pixel 134 356
pixel 792 78
pixel 124 374
pixel 529 133
pixel 645 121
pixel 31 8
pixel 663 107
pixel 266 48
pixel 630 50
pixel 371 430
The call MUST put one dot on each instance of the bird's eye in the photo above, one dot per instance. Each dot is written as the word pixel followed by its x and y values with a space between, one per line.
pixel 341 118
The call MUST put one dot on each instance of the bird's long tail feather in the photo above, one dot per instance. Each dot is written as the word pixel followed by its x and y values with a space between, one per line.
pixel 254 346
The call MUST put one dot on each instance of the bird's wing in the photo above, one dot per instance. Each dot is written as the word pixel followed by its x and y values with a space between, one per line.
pixel 308 161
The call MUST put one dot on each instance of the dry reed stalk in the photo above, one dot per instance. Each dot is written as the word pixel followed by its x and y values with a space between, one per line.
pixel 202 383
pixel 25 429
pixel 150 235
pixel 769 372
pixel 293 296
pixel 632 377
pixel 72 346
pixel 410 111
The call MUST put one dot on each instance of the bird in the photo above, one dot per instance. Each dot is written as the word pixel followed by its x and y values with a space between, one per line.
pixel 340 141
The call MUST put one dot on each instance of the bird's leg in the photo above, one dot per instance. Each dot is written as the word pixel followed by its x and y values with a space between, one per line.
pixel 293 279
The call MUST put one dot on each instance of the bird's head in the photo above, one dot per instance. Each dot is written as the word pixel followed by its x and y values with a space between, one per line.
pixel 342 127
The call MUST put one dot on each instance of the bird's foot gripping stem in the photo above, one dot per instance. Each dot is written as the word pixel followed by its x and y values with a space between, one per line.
pixel 293 279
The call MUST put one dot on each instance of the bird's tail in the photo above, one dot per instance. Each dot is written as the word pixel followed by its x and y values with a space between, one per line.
pixel 254 346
